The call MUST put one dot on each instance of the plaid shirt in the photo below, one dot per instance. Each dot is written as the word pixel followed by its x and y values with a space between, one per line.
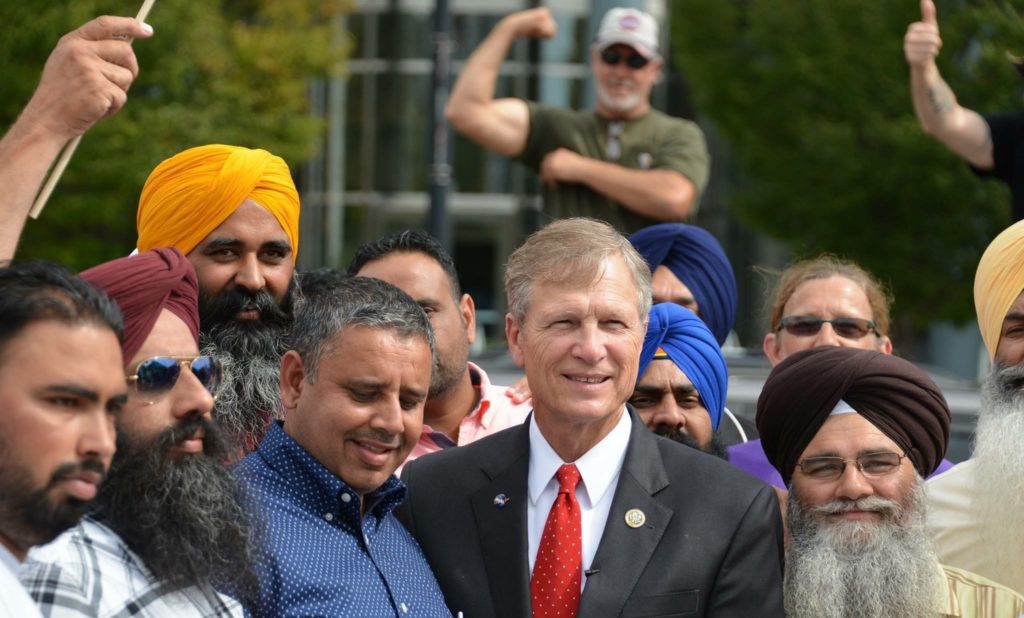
pixel 89 571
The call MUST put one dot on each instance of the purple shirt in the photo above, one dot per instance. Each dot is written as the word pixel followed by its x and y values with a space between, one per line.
pixel 750 458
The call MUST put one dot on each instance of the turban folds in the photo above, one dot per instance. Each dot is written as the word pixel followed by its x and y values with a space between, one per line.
pixel 690 345
pixel 142 285
pixel 192 193
pixel 998 282
pixel 894 395
pixel 697 259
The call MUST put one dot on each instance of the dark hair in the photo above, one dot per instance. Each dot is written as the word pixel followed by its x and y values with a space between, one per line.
pixel 407 241
pixel 37 290
pixel 336 303
pixel 314 281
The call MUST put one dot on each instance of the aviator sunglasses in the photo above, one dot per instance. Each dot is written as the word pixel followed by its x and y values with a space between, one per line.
pixel 158 375
pixel 808 325
pixel 634 61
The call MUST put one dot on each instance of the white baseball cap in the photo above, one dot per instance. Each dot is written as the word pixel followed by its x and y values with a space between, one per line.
pixel 630 27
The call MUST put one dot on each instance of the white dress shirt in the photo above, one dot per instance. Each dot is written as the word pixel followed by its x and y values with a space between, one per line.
pixel 599 475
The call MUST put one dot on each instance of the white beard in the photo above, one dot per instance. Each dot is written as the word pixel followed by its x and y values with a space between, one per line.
pixel 861 569
pixel 999 468
pixel 620 104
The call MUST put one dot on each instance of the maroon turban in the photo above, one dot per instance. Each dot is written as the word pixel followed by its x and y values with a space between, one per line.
pixel 142 285
pixel 894 395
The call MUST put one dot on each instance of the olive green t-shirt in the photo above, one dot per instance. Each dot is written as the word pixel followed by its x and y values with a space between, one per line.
pixel 653 141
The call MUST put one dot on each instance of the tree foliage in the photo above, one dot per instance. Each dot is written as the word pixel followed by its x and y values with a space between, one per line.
pixel 814 97
pixel 216 71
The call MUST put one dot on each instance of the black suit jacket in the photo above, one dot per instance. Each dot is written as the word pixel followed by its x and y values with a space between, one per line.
pixel 711 545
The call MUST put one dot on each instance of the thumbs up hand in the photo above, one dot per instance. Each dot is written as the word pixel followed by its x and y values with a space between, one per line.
pixel 922 42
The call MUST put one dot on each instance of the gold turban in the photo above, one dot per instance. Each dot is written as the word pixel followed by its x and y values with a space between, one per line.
pixel 998 282
pixel 192 193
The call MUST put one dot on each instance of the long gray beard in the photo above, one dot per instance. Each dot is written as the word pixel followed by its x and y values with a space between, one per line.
pixel 861 569
pixel 999 468
pixel 251 396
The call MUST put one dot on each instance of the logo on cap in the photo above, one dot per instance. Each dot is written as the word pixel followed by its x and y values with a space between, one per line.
pixel 629 22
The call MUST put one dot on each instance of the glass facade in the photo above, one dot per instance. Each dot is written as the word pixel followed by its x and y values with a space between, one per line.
pixel 373 175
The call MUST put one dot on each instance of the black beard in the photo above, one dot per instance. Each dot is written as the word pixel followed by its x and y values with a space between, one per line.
pixel 183 515
pixel 250 351
pixel 30 517
pixel 714 447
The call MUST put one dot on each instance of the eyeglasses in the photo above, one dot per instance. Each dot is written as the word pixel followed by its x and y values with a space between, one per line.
pixel 633 61
pixel 808 325
pixel 158 375
pixel 871 465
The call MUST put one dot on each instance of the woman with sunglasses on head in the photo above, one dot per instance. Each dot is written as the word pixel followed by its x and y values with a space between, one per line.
pixel 168 526
pixel 823 301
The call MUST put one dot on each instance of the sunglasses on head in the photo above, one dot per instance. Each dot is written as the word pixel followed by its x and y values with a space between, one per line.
pixel 158 375
pixel 808 325
pixel 633 61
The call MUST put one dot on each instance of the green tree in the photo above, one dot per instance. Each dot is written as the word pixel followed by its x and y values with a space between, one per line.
pixel 216 71
pixel 814 97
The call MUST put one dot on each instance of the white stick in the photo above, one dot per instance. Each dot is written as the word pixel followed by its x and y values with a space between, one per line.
pixel 69 148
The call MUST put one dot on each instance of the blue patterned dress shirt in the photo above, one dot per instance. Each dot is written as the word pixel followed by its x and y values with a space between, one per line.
pixel 316 555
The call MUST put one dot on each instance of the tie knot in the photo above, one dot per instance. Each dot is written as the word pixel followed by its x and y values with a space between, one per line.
pixel 568 477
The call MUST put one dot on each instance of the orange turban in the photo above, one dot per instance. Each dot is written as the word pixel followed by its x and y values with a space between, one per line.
pixel 998 282
pixel 192 193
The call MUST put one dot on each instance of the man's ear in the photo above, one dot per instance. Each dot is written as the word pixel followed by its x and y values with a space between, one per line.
pixel 468 312
pixel 512 334
pixel 293 378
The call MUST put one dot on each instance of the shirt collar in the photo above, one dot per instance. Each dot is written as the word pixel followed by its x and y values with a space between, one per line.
pixel 483 385
pixel 291 460
pixel 8 560
pixel 598 467
pixel 946 601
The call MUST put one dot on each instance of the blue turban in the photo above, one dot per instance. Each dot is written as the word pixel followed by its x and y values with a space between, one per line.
pixel 686 340
pixel 697 259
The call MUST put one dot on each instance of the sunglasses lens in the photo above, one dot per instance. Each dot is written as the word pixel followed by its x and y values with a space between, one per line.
pixel 209 372
pixel 850 328
pixel 610 57
pixel 157 374
pixel 636 61
pixel 804 326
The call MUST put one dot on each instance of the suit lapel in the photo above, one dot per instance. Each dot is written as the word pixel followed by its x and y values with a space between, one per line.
pixel 502 531
pixel 624 551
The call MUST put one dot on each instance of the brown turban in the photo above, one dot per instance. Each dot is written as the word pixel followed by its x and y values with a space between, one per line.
pixel 142 285
pixel 894 395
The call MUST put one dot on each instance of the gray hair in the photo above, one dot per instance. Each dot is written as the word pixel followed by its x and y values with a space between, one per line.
pixel 571 252
pixel 355 301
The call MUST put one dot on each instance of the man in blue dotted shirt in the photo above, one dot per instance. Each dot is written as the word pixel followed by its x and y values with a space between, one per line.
pixel 353 387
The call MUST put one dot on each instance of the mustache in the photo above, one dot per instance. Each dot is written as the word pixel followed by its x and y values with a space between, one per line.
pixel 889 509
pixel 226 304
pixel 384 439
pixel 69 469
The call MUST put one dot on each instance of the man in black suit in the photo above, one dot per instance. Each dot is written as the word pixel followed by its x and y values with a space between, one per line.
pixel 581 510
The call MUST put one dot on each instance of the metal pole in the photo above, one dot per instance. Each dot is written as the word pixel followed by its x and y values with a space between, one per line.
pixel 438 218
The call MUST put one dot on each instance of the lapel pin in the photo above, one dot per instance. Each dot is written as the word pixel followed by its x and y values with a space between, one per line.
pixel 501 500
pixel 635 518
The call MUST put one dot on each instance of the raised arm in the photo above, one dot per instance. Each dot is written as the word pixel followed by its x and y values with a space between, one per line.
pixel 86 78
pixel 962 130
pixel 500 125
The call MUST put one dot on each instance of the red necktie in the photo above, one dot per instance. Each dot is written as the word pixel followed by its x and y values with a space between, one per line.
pixel 555 585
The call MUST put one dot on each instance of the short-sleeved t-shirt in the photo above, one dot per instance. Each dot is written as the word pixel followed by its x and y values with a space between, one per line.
pixel 1007 132
pixel 653 141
